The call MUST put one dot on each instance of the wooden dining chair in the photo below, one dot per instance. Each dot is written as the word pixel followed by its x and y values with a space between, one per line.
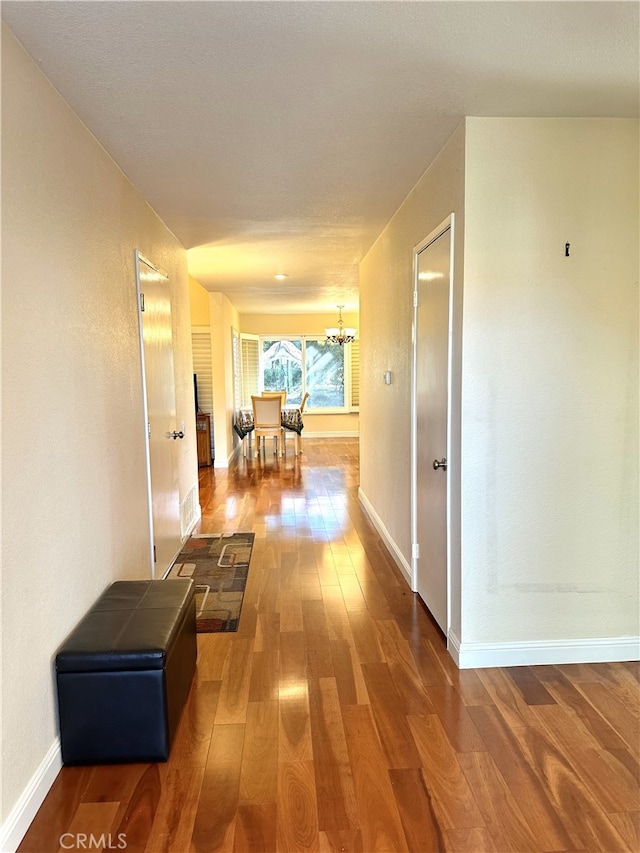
pixel 267 420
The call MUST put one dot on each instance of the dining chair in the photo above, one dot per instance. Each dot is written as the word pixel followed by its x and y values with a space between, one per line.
pixel 267 419
pixel 296 435
pixel 283 395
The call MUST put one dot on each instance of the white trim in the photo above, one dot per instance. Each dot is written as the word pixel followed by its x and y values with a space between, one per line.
pixel 22 814
pixel 390 544
pixel 139 257
pixel 336 433
pixel 540 652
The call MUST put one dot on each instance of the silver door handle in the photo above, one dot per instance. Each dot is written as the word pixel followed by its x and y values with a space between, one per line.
pixel 441 464
pixel 175 434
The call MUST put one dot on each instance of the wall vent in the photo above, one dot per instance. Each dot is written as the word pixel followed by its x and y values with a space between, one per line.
pixel 189 511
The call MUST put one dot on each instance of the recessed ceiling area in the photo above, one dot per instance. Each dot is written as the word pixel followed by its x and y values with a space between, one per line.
pixel 283 136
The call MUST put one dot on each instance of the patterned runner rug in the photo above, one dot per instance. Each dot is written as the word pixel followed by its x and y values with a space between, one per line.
pixel 219 566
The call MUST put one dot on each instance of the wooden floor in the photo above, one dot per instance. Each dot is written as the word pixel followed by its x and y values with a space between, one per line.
pixel 334 719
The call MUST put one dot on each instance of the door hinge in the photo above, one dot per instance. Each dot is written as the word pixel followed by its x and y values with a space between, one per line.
pixel 142 301
pixel 148 429
pixel 415 551
pixel 415 298
pixel 155 557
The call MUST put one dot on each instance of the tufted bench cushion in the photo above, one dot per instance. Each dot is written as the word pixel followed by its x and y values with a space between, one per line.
pixel 124 673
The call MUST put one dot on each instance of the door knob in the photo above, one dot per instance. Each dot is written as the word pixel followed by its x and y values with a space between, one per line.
pixel 175 434
pixel 440 464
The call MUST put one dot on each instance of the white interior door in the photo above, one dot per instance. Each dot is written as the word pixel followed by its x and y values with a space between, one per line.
pixel 431 388
pixel 154 301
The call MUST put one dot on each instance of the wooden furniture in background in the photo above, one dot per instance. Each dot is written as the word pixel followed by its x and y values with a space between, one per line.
pixel 203 433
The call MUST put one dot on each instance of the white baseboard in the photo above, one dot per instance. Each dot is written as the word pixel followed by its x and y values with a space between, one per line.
pixel 347 433
pixel 21 815
pixel 537 653
pixel 389 542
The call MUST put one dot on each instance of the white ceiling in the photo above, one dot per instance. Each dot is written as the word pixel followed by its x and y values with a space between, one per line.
pixel 282 136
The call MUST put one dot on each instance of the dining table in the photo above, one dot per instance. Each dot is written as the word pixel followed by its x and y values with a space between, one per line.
pixel 290 418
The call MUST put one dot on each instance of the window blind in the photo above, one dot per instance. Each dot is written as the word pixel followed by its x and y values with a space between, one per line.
pixel 355 374
pixel 203 368
pixel 250 367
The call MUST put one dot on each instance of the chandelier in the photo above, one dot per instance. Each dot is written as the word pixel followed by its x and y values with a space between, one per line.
pixel 340 335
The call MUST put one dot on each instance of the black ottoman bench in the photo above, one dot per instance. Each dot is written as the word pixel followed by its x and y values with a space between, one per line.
pixel 124 673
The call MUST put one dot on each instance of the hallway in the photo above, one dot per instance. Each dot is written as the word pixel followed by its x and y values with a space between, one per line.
pixel 335 720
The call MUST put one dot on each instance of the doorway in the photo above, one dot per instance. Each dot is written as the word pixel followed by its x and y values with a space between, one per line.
pixel 433 265
pixel 159 395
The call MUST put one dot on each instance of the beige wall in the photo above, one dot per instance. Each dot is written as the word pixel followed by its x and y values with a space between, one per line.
pixel 216 313
pixel 544 457
pixel 224 318
pixel 74 495
pixel 386 315
pixel 550 393
pixel 199 303
pixel 307 324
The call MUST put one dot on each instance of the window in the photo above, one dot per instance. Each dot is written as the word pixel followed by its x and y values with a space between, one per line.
pixel 329 372
pixel 281 367
pixel 325 375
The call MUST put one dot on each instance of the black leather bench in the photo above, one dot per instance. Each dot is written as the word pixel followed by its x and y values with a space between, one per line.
pixel 124 673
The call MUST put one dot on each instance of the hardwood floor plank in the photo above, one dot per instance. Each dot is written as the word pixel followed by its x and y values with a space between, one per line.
pixel 267 632
pixel 334 783
pixel 343 670
pixel 471 840
pixel 192 738
pixel 378 814
pixel 525 785
pixel 455 719
pixel 214 824
pixel 628 825
pixel 256 827
pixel 236 680
pixel 265 676
pixel 531 688
pixel 294 726
pixel 290 611
pixel 624 719
pixel 421 826
pixel 502 814
pixel 90 819
pixel 176 812
pixel 297 808
pixel 293 659
pixel 341 841
pixel 404 671
pixel 365 637
pixel 570 697
pixel 213 650
pixel 390 718
pixel 453 801
pixel 258 773
pixel 506 697
pixel 608 780
pixel 56 813
pixel 581 813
